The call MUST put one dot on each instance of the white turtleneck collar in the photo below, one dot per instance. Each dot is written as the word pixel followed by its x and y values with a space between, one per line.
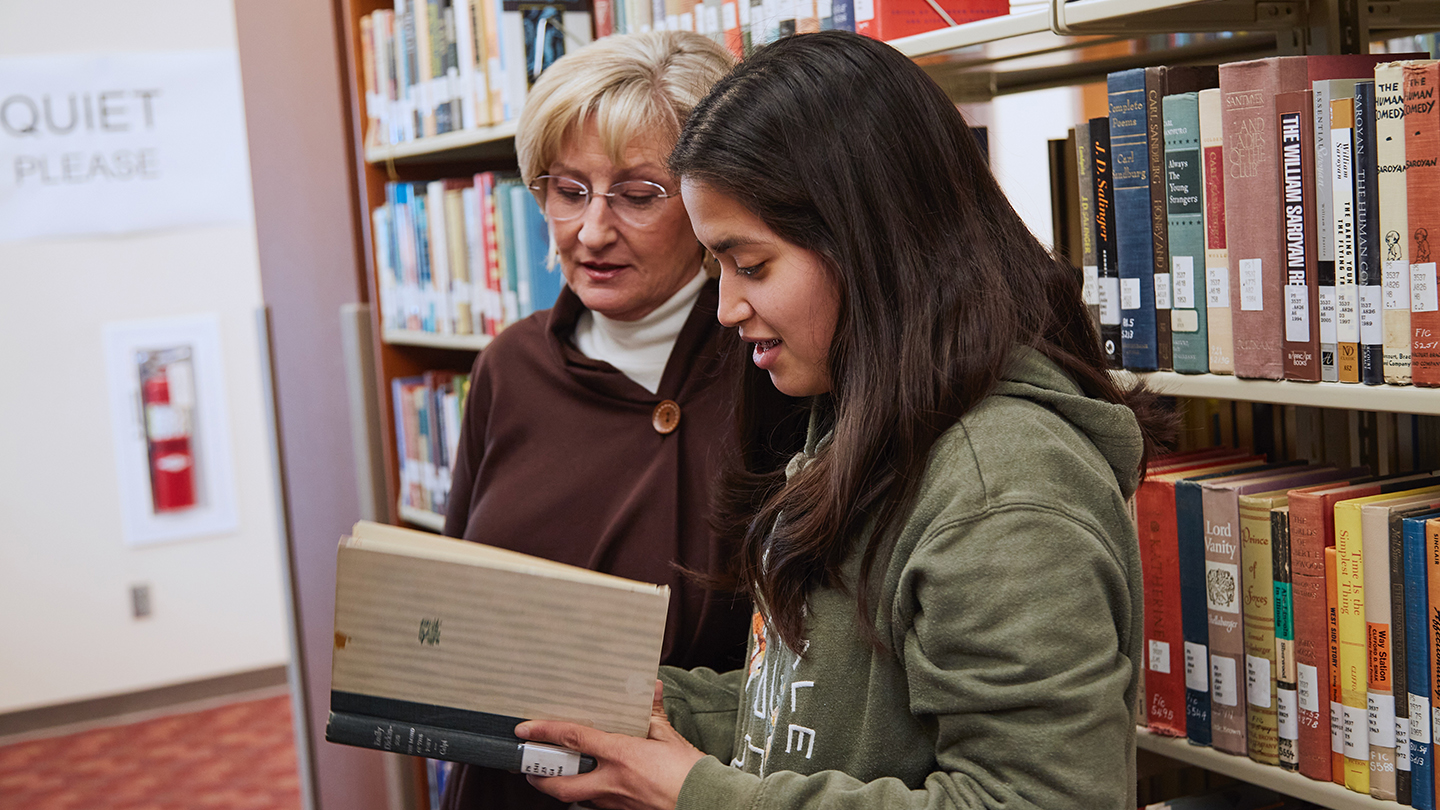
pixel 639 349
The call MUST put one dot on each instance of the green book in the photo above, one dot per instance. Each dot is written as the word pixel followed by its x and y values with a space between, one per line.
pixel 1185 213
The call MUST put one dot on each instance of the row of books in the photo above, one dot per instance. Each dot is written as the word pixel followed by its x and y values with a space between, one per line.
pixel 428 410
pixel 1268 219
pixel 462 256
pixel 436 66
pixel 1290 615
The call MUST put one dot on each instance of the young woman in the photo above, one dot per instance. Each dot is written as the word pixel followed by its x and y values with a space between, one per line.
pixel 593 429
pixel 947 580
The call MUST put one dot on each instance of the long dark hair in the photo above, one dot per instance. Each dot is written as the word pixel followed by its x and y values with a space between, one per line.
pixel 843 146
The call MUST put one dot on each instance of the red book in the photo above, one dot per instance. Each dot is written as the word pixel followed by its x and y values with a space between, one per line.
pixel 1422 192
pixel 1160 566
pixel 1252 191
pixel 888 19
pixel 1312 532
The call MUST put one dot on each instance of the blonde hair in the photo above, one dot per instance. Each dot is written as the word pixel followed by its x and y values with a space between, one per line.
pixel 630 85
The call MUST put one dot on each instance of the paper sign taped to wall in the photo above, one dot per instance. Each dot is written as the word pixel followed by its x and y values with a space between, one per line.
pixel 118 143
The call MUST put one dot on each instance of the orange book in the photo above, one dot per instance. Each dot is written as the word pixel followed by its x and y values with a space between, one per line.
pixel 1422 192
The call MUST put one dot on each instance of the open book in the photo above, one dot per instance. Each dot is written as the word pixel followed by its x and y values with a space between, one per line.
pixel 442 646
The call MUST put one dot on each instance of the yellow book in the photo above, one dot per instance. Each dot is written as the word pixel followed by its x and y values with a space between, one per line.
pixel 1354 633
pixel 1258 588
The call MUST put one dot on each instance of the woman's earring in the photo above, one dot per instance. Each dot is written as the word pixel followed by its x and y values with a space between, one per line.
pixel 553 260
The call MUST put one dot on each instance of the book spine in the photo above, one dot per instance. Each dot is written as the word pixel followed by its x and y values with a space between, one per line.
pixel 1337 705
pixel 1297 217
pixel 1353 644
pixel 1107 266
pixel 1417 664
pixel 1287 698
pixel 1342 188
pixel 1249 90
pixel 1394 247
pixel 1159 220
pixel 1367 238
pixel 1223 599
pixel 1194 621
pixel 1258 587
pixel 1422 191
pixel 1130 176
pixel 1089 270
pixel 450 745
pixel 1185 215
pixel 1380 697
pixel 1307 577
pixel 1217 266
pixel 1164 674
pixel 1399 661
pixel 1325 233
pixel 1431 532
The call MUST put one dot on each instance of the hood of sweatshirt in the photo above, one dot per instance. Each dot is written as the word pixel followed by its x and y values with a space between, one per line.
pixel 1111 427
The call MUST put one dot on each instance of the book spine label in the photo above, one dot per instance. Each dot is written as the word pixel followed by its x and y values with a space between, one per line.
pixel 1217 265
pixel 1297 204
pixel 1134 240
pixel 1422 190
pixel 1164 670
pixel 1185 209
pixel 1287 697
pixel 1352 638
pixel 1107 266
pixel 1367 237
pixel 1249 90
pixel 1195 622
pixel 1223 599
pixel 1258 583
pixel 1342 188
pixel 1159 220
pixel 1394 246
pixel 1417 663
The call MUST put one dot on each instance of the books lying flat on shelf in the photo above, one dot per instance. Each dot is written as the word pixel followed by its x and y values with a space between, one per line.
pixel 442 646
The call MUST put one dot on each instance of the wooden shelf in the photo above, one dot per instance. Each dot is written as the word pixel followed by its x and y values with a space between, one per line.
pixel 403 337
pixel 1325 794
pixel 1392 398
pixel 420 517
pixel 466 144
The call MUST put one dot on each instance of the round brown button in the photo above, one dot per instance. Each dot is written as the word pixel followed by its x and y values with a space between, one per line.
pixel 666 417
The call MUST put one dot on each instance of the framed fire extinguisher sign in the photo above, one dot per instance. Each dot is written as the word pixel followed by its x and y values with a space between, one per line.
pixel 172 446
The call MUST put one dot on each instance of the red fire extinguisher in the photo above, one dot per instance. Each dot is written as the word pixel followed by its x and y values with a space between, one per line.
pixel 172 463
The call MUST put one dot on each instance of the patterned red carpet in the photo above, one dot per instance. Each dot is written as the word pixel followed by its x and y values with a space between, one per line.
pixel 239 756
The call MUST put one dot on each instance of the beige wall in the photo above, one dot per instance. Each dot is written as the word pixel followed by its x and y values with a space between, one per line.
pixel 65 572
pixel 290 61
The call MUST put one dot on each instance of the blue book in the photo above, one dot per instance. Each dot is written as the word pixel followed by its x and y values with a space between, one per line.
pixel 545 282
pixel 843 15
pixel 1417 661
pixel 1185 210
pixel 1130 174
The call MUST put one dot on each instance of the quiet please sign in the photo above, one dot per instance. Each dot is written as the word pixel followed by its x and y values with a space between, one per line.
pixel 119 143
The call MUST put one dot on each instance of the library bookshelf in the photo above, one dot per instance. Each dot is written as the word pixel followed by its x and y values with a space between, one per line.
pixel 1041 44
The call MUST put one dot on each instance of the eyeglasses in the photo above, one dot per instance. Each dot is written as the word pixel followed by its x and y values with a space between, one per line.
pixel 637 202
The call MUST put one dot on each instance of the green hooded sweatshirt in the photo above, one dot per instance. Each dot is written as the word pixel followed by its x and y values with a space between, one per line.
pixel 1011 612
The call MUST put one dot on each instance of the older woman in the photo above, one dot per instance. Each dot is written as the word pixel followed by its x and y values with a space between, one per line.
pixel 592 432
